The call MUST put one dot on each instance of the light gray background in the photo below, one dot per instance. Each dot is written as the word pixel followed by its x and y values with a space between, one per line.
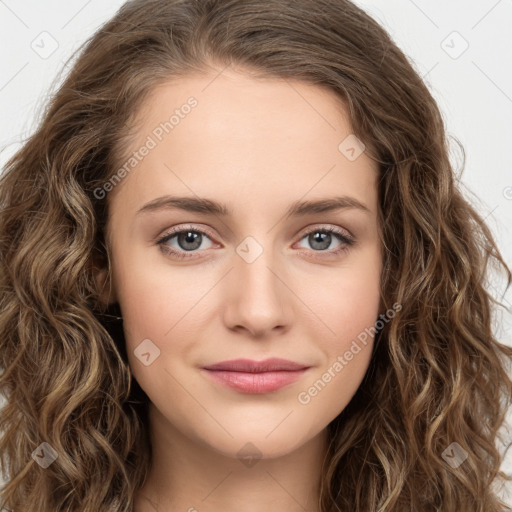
pixel 472 85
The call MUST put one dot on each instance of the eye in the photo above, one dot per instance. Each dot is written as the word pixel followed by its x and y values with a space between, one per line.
pixel 320 240
pixel 190 239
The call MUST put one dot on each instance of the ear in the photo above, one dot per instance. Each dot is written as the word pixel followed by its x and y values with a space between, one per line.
pixel 105 287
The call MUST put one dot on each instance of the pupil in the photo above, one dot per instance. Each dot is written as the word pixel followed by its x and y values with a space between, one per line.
pixel 321 239
pixel 190 238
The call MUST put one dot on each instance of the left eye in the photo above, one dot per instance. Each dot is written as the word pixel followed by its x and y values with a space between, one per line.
pixel 189 240
pixel 324 237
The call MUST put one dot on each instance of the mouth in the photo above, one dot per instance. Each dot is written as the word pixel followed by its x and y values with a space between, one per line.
pixel 256 377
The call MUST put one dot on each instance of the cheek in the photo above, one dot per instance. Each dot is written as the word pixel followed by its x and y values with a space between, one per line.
pixel 166 306
pixel 348 309
pixel 347 302
pixel 152 296
pixel 330 390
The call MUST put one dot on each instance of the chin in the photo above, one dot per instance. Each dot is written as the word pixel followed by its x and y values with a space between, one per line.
pixel 258 442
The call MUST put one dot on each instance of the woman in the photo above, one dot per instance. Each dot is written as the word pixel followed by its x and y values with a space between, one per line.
pixel 238 273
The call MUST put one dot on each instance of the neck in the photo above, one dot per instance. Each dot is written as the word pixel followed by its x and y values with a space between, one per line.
pixel 187 475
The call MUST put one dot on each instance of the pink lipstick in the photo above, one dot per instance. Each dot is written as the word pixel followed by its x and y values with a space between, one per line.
pixel 256 377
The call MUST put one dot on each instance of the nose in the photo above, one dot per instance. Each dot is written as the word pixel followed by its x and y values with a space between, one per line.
pixel 258 299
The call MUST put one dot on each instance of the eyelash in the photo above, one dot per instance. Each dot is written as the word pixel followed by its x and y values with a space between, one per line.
pixel 342 237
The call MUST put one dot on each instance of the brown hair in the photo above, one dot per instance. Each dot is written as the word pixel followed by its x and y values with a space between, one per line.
pixel 437 373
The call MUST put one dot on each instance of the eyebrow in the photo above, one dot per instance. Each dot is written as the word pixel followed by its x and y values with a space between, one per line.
pixel 211 207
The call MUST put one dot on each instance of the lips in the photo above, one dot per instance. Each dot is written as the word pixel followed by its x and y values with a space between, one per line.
pixel 256 377
pixel 248 366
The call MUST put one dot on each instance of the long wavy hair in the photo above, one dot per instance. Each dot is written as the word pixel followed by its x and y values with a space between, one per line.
pixel 437 375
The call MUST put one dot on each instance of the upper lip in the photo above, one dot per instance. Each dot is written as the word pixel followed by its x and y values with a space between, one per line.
pixel 247 365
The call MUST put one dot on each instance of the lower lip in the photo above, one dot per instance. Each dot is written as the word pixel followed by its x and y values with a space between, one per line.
pixel 256 383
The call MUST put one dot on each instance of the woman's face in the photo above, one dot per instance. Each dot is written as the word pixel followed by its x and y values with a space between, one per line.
pixel 242 266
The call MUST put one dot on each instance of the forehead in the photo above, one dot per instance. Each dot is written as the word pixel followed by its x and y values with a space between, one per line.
pixel 232 135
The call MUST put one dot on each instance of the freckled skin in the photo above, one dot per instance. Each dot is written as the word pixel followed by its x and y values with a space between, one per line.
pixel 257 146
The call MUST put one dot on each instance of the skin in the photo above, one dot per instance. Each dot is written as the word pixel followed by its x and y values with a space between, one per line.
pixel 256 145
